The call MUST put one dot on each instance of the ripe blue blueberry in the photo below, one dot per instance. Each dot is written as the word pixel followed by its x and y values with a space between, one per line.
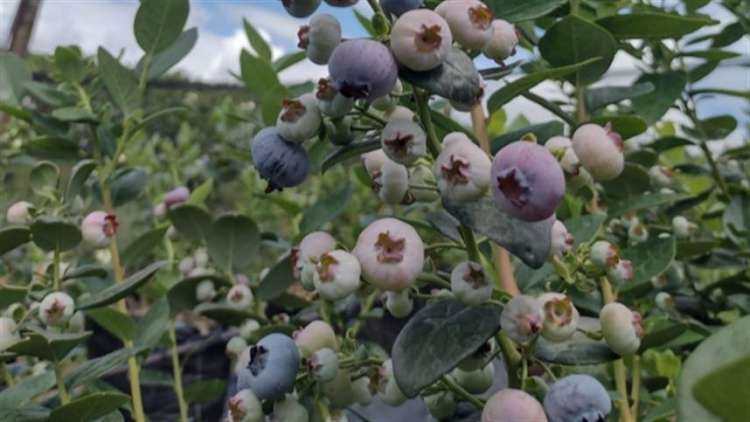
pixel 272 369
pixel 282 164
pixel 527 181
pixel 399 7
pixel 363 69
pixel 341 3
pixel 301 8
pixel 577 398
pixel 320 37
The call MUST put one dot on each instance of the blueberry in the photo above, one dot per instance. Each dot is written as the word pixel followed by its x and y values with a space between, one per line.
pixel 527 181
pixel 600 151
pixel 282 164
pixel 470 22
pixel 363 68
pixel 577 398
pixel 19 213
pixel 510 405
pixel 503 42
pixel 98 227
pixel 320 37
pixel 420 40
pixel 272 369
pixel 301 8
pixel 399 7
pixel 176 196
pixel 341 3
pixel 330 101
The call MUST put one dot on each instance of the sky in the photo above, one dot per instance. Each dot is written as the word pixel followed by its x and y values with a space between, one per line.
pixel 90 23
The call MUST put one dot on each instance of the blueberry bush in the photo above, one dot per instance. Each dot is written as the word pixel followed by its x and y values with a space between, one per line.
pixel 382 235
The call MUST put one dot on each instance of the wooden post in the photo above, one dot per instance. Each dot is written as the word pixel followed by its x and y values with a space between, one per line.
pixel 23 26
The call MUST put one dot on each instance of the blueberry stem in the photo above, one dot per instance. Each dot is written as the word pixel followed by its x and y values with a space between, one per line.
pixel 635 392
pixel 620 371
pixel 512 359
pixel 363 111
pixel 61 390
pixel 7 377
pixel 423 109
pixel 56 268
pixel 177 373
pixel 471 244
pixel 463 394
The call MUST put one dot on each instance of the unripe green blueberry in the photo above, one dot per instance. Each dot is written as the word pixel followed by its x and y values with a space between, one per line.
pixel 77 322
pixel 477 381
pixel 186 265
pixel 245 407
pixel 248 328
pixel 621 328
pixel 478 359
pixel 562 149
pixel 8 333
pixel 420 40
pixel 462 169
pixel 403 141
pixel 388 390
pixel 682 227
pixel 661 177
pixel 373 162
pixel 330 101
pixel 337 275
pixel 440 405
pixel 205 291
pixel 560 317
pixel 503 42
pixel 420 179
pixel 561 241
pixel 340 131
pixel 323 365
pixel 399 304
pixel 307 275
pixel 362 390
pixel 320 37
pixel 401 113
pixel 201 257
pixel 315 336
pixel 391 254
pixel 98 228
pixel 522 318
pixel 604 255
pixel 469 284
pixel 299 120
pixel 339 390
pixel 289 410
pixel 160 210
pixel 240 297
pixel 235 346
pixel 622 271
pixel 199 272
pixel 470 22
pixel 664 301
pixel 393 183
pixel 600 151
pixel 311 248
pixel 637 232
pixel 510 405
pixel 56 309
pixel 19 213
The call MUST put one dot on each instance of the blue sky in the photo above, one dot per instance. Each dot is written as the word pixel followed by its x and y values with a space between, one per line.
pixel 90 23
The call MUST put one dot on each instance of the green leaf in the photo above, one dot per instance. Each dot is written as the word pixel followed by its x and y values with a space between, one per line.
pixel 597 98
pixel 456 79
pixel 191 221
pixel 127 184
pixel 525 83
pixel 13 76
pixel 580 350
pixel 17 112
pixel 542 131
pixel 158 23
pixel 202 391
pixel 89 407
pixel 261 80
pixel 48 345
pixel 98 367
pixel 288 60
pixel 151 327
pixel 668 87
pixel 74 114
pixel 120 82
pixel 113 321
pixel 435 340
pixel 278 279
pixel 365 22
pixel 347 152
pixel 122 289
pixel 736 218
pixel 528 241
pixel 165 60
pixel 653 25
pixel 79 174
pixel 713 54
pixel 573 40
pixel 224 313
pixel 689 249
pixel 49 233
pixel 669 142
pixel 182 297
pixel 727 348
pixel 649 200
pixel 630 184
pixel 199 195
pixel 232 241
pixel 718 127
pixel 259 45
pixel 12 237
pixel 69 63
pixel 326 209
pixel 48 94
pixel 143 245
pixel 23 391
pixel 650 258
pixel 10 294
pixel 84 271
pixel 44 176
pixel 661 336
pixel 585 227
pixel 626 126
pixel 523 10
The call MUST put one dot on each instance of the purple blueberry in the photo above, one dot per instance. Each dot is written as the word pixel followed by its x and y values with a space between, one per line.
pixel 363 68
pixel 176 196
pixel 527 181
pixel 399 7
pixel 272 369
pixel 341 3
pixel 577 398
pixel 281 163
pixel 301 8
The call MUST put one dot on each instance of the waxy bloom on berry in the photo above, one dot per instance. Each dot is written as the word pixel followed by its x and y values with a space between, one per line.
pixel 391 254
pixel 462 169
pixel 98 228
pixel 56 309
pixel 420 40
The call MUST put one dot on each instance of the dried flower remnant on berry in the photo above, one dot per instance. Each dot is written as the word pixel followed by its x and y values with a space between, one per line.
pixel 390 248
